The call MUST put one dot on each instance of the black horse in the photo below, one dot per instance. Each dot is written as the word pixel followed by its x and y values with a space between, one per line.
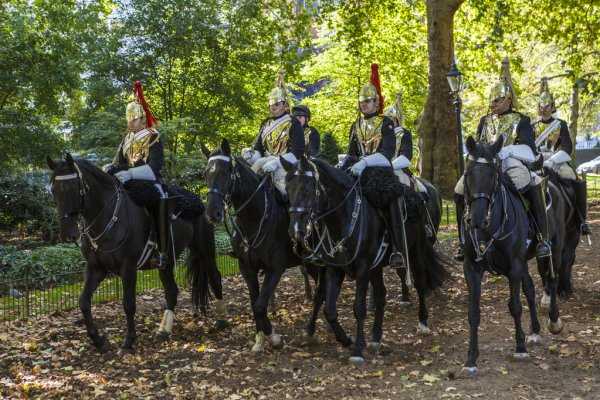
pixel 259 231
pixel 351 236
pixel 114 233
pixel 499 239
pixel 572 223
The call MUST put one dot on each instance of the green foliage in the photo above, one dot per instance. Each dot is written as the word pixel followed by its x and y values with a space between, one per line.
pixel 330 148
pixel 45 266
pixel 25 204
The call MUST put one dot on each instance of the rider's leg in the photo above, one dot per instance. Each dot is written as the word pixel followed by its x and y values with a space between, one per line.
pixel 395 229
pixel 459 201
pixel 162 228
pixel 565 171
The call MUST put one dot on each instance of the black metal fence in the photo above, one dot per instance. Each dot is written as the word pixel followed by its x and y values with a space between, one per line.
pixel 30 297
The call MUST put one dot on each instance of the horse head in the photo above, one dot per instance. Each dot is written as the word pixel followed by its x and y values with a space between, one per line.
pixel 482 178
pixel 219 176
pixel 67 191
pixel 303 194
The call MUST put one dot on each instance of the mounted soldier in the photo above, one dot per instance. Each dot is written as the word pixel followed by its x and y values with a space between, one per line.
pixel 553 141
pixel 312 139
pixel 138 164
pixel 279 135
pixel 373 142
pixel 518 151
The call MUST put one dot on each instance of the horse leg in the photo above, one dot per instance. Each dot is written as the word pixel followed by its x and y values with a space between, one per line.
pixel 307 289
pixel 216 284
pixel 93 277
pixel 565 287
pixel 405 301
pixel 422 327
pixel 554 323
pixel 360 313
pixel 516 309
pixel 318 299
pixel 379 299
pixel 334 285
pixel 129 277
pixel 269 285
pixel 168 281
pixel 473 278
pixel 529 289
pixel 251 278
pixel 543 270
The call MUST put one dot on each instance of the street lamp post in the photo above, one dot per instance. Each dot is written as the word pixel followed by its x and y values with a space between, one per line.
pixel 455 81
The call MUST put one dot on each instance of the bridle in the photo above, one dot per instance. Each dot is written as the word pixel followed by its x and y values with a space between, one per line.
pixel 326 247
pixel 85 229
pixel 248 242
pixel 482 247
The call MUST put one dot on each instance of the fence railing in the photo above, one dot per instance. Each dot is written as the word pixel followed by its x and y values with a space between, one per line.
pixel 31 297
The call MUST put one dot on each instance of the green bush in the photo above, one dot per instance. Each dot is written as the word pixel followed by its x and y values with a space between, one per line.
pixel 46 266
pixel 26 204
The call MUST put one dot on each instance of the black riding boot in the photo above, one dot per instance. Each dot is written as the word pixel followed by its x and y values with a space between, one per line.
pixel 163 233
pixel 395 229
pixel 537 198
pixel 580 188
pixel 459 201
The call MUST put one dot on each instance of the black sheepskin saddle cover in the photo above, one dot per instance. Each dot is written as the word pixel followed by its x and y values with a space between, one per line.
pixel 381 186
pixel 143 193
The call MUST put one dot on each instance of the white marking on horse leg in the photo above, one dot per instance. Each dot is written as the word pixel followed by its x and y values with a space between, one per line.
pixel 555 327
pixel 423 329
pixel 275 340
pixel 220 309
pixel 166 324
pixel 259 342
pixel 534 338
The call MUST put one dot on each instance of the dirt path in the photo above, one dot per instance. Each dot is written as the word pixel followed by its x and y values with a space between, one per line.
pixel 51 357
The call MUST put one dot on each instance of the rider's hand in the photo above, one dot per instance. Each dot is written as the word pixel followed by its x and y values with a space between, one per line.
pixel 123 176
pixel 358 168
pixel 271 166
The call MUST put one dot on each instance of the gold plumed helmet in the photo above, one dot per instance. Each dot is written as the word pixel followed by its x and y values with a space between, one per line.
pixel 367 92
pixel 279 92
pixel 546 98
pixel 504 87
pixel 139 108
pixel 134 111
pixel 395 110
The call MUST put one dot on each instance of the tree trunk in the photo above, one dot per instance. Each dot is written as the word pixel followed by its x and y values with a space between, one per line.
pixel 438 128
pixel 574 115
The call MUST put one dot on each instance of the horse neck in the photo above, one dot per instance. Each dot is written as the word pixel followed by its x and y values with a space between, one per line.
pixel 245 186
pixel 99 197
pixel 334 194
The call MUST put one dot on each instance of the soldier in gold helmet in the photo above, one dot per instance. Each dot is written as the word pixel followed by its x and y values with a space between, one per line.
pixel 373 141
pixel 553 141
pixel 279 135
pixel 312 139
pixel 138 164
pixel 519 149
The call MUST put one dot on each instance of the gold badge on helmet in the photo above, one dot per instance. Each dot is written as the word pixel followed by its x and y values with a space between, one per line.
pixel 367 92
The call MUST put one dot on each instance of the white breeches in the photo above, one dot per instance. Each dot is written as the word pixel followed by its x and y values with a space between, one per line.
pixel 518 173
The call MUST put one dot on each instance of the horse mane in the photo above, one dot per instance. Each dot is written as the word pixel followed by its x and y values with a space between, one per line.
pixel 337 175
pixel 90 170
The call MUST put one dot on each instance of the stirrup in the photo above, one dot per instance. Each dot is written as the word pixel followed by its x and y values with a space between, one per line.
pixel 585 229
pixel 543 249
pixel 158 261
pixel 428 231
pixel 397 260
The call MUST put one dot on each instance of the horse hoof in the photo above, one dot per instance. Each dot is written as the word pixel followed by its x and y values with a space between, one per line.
pixel 276 340
pixel 374 346
pixel 555 327
pixel 545 301
pixel 471 371
pixel 357 361
pixel 520 355
pixel 534 338
pixel 308 339
pixel 423 329
pixel 221 324
pixel 163 335
pixel 404 303
pixel 101 344
pixel 259 344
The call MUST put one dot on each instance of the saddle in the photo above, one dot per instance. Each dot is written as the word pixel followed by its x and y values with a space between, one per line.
pixel 187 205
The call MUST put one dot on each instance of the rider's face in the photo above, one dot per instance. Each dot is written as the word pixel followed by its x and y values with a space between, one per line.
pixel 136 125
pixel 500 105
pixel 368 106
pixel 545 111
pixel 277 109
pixel 301 119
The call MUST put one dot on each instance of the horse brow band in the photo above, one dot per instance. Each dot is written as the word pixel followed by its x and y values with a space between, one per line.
pixel 65 177
pixel 305 173
pixel 479 160
pixel 224 158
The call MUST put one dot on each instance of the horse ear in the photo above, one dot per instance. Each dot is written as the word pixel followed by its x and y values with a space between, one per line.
pixel 51 163
pixel 497 146
pixel 205 150
pixel 287 166
pixel 69 159
pixel 225 147
pixel 471 145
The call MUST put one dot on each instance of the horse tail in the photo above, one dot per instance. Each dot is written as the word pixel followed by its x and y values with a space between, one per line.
pixel 430 270
pixel 202 264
